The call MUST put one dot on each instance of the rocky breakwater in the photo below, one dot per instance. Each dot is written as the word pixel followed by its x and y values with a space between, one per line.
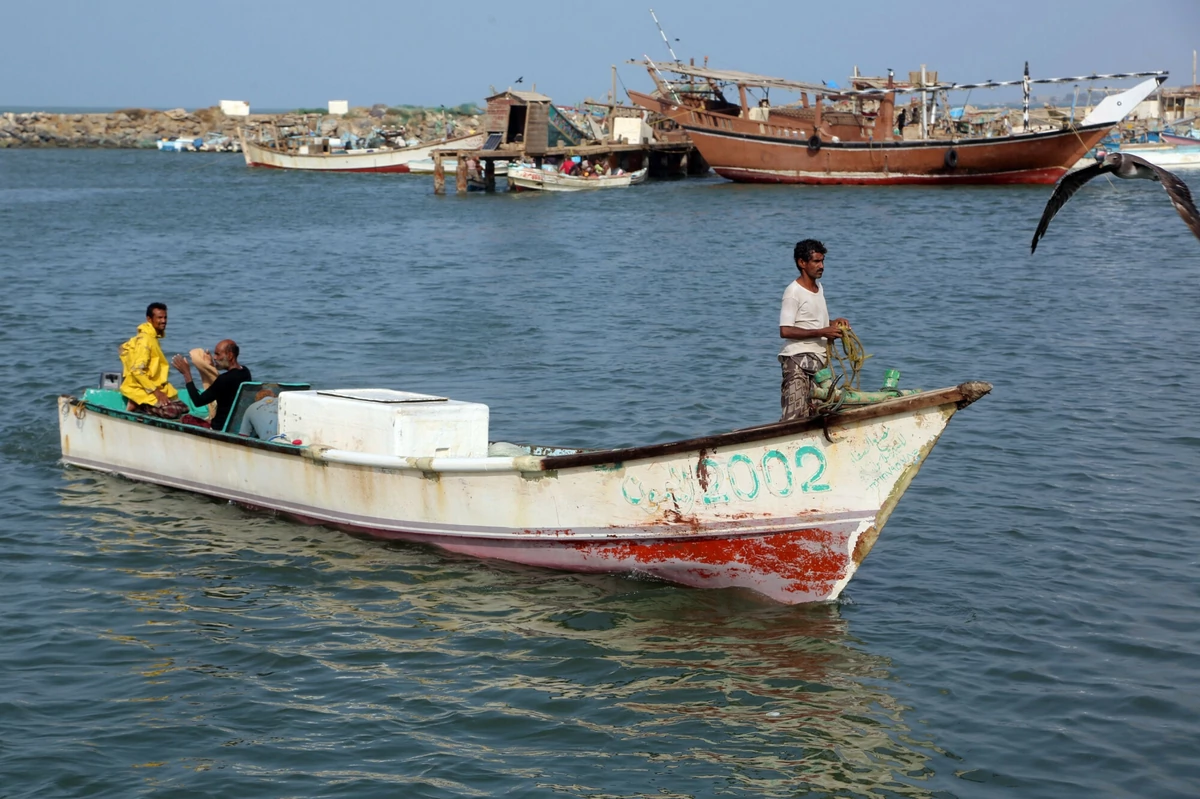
pixel 140 127
pixel 131 127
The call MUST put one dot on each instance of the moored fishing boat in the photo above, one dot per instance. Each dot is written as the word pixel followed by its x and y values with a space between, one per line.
pixel 788 509
pixel 850 136
pixel 531 178
pixel 1192 139
pixel 425 166
pixel 316 154
pixel 1165 154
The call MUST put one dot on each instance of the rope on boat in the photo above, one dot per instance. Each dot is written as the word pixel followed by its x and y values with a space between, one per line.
pixel 846 369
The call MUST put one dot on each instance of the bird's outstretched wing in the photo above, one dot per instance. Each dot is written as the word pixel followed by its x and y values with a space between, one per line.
pixel 1181 196
pixel 1063 192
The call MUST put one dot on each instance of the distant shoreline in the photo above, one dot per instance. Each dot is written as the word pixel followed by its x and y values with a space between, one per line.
pixel 141 128
pixel 104 109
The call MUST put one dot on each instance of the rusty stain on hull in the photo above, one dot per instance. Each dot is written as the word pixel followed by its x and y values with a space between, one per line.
pixel 809 563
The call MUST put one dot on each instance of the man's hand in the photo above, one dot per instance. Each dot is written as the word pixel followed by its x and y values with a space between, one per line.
pixel 161 397
pixel 841 321
pixel 180 363
pixel 833 331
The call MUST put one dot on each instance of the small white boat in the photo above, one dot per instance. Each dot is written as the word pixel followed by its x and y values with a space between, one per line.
pixel 179 144
pixel 788 509
pixel 316 154
pixel 1169 156
pixel 533 179
pixel 1165 154
pixel 425 166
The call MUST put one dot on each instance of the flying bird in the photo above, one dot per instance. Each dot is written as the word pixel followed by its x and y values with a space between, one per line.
pixel 1123 165
pixel 518 80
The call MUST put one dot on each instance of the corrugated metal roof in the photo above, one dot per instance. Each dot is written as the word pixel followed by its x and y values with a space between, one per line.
pixel 529 97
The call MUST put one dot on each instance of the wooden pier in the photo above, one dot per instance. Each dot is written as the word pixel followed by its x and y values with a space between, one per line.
pixel 672 158
pixel 525 127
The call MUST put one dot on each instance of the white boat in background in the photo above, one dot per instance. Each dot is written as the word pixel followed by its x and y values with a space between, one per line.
pixel 788 509
pixel 179 144
pixel 316 154
pixel 1166 155
pixel 425 166
pixel 533 179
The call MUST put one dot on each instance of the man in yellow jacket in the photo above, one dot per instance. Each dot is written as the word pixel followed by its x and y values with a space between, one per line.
pixel 145 385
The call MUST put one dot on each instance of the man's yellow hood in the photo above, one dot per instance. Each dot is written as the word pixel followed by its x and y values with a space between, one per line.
pixel 148 329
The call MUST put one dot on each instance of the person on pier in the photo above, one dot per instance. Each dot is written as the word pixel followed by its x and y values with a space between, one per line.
pixel 805 329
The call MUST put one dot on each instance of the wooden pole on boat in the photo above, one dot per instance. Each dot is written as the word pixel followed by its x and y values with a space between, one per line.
pixel 460 175
pixel 1025 99
pixel 924 107
pixel 887 111
pixel 611 121
pixel 439 173
pixel 489 174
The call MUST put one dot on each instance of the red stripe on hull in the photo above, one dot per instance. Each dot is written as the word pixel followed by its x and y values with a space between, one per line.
pixel 1047 176
pixel 401 168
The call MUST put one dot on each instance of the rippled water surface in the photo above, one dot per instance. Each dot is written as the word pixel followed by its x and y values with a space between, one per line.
pixel 1026 625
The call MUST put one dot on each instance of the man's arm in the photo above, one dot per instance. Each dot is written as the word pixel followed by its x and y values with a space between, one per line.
pixel 180 363
pixel 218 390
pixel 833 331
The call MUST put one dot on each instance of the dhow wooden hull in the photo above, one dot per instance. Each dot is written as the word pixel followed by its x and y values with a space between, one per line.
pixel 1038 158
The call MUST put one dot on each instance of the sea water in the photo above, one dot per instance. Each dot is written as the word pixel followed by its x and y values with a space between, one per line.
pixel 1025 626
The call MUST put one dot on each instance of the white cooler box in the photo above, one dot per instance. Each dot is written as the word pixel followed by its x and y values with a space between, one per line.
pixel 385 422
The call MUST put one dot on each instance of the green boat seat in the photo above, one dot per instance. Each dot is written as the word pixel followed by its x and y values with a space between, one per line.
pixel 114 400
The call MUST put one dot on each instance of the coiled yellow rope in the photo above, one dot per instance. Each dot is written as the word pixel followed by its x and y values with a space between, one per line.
pixel 853 355
pixel 847 371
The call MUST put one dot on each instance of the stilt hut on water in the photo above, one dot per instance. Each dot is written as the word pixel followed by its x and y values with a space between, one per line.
pixel 530 119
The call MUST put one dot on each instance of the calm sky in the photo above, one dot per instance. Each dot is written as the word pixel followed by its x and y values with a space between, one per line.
pixel 296 53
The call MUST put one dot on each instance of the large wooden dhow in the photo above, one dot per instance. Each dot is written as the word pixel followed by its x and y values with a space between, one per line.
pixel 849 136
pixel 787 509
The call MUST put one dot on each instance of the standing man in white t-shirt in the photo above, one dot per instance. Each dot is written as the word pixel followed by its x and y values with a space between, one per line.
pixel 804 327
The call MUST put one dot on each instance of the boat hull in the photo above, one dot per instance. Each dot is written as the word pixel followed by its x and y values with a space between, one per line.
pixel 781 510
pixel 1166 155
pixel 425 166
pixel 532 179
pixel 379 160
pixel 1037 158
pixel 1181 141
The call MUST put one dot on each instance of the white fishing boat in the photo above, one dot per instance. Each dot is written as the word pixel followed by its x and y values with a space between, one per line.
pixel 449 165
pixel 318 154
pixel 533 179
pixel 179 144
pixel 788 509
pixel 1165 154
pixel 1169 156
